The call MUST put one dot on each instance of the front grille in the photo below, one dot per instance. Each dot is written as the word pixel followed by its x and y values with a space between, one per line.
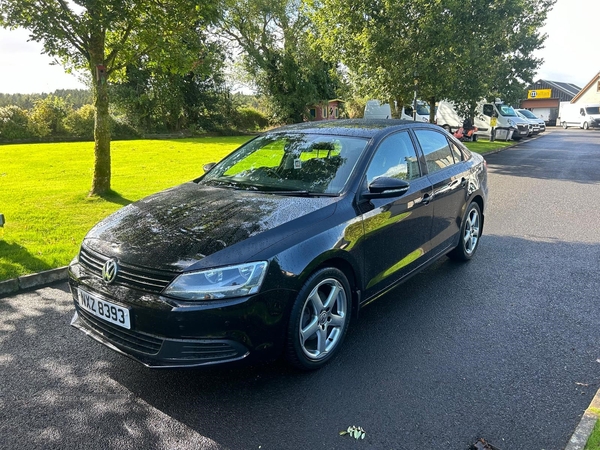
pixel 209 351
pixel 134 340
pixel 150 280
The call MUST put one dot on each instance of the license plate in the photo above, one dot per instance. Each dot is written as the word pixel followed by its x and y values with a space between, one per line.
pixel 105 310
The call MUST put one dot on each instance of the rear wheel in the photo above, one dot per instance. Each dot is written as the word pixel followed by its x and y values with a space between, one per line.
pixel 564 125
pixel 469 234
pixel 319 319
pixel 586 126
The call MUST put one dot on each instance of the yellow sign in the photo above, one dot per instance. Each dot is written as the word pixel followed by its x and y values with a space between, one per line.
pixel 539 93
pixel 493 122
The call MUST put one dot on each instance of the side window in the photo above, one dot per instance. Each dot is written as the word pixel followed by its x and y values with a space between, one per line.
pixel 488 110
pixel 458 156
pixel 436 150
pixel 395 157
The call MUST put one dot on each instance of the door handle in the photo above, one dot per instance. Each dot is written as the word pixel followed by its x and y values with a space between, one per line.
pixel 427 198
pixel 463 182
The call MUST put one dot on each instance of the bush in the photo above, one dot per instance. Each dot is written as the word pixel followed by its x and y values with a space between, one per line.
pixel 251 119
pixel 120 129
pixel 47 117
pixel 13 123
pixel 80 123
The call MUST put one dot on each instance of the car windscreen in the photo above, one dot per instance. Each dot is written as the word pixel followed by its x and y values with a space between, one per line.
pixel 527 113
pixel 506 110
pixel 593 110
pixel 289 163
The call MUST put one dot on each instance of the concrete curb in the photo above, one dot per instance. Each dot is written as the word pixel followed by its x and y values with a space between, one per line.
pixel 586 425
pixel 32 281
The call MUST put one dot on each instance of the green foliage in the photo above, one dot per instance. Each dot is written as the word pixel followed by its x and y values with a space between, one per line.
pixel 593 442
pixel 158 101
pixel 274 37
pixel 104 37
pixel 14 123
pixel 75 97
pixel 462 50
pixel 46 118
pixel 80 123
pixel 251 119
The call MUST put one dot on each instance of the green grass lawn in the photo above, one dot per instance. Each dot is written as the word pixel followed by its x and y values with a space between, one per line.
pixel 44 187
pixel 484 147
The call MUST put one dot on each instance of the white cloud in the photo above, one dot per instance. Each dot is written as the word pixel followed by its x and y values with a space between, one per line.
pixel 571 52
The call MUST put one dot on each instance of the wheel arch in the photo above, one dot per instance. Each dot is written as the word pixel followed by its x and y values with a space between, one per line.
pixel 479 200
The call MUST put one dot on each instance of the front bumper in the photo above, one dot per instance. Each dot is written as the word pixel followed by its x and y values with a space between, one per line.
pixel 522 130
pixel 167 334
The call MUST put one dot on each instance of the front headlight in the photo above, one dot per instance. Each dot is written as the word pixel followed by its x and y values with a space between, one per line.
pixel 511 123
pixel 223 282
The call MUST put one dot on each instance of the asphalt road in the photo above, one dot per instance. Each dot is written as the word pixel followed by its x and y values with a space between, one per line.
pixel 504 348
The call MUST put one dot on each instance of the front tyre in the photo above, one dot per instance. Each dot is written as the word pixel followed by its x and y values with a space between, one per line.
pixel 469 234
pixel 586 126
pixel 319 319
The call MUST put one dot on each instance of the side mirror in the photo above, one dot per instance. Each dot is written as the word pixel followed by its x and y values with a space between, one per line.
pixel 386 187
pixel 209 166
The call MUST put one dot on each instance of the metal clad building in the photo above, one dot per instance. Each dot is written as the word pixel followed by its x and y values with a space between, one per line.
pixel 544 96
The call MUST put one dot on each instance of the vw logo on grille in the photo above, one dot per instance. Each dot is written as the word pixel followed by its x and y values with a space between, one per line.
pixel 109 271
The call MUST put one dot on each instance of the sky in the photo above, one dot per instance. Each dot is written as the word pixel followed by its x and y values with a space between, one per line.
pixel 571 53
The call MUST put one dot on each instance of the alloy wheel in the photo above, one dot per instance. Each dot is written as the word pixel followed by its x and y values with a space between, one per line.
pixel 471 235
pixel 323 319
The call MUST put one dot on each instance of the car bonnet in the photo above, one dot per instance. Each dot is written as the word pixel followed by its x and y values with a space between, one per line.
pixel 176 228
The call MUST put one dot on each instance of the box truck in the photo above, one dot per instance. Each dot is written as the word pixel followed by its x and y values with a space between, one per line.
pixel 507 119
pixel 582 116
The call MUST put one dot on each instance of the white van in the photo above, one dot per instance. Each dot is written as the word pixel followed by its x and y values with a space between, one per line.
pixel 582 116
pixel 374 109
pixel 448 118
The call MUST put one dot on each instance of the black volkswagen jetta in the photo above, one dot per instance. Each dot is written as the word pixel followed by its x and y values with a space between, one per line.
pixel 277 246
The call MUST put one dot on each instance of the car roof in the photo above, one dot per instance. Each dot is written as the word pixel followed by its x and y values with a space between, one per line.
pixel 366 128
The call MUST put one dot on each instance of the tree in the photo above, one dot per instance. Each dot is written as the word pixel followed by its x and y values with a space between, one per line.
pixel 463 50
pixel 156 100
pixel 14 122
pixel 47 116
pixel 103 37
pixel 273 35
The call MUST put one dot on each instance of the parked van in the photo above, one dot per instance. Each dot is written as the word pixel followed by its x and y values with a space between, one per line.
pixel 374 109
pixel 448 118
pixel 582 116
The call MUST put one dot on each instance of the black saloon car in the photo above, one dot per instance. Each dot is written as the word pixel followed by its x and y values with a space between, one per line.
pixel 276 247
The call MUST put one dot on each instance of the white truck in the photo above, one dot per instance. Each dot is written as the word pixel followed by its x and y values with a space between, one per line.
pixel 582 116
pixel 507 119
pixel 374 109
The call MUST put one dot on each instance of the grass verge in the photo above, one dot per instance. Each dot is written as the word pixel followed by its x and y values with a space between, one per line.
pixel 593 442
pixel 43 191
pixel 484 147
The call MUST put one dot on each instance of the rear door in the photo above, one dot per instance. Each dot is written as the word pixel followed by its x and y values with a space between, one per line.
pixel 448 173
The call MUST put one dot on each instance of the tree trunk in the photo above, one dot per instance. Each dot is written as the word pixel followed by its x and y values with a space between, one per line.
pixel 101 180
pixel 431 109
